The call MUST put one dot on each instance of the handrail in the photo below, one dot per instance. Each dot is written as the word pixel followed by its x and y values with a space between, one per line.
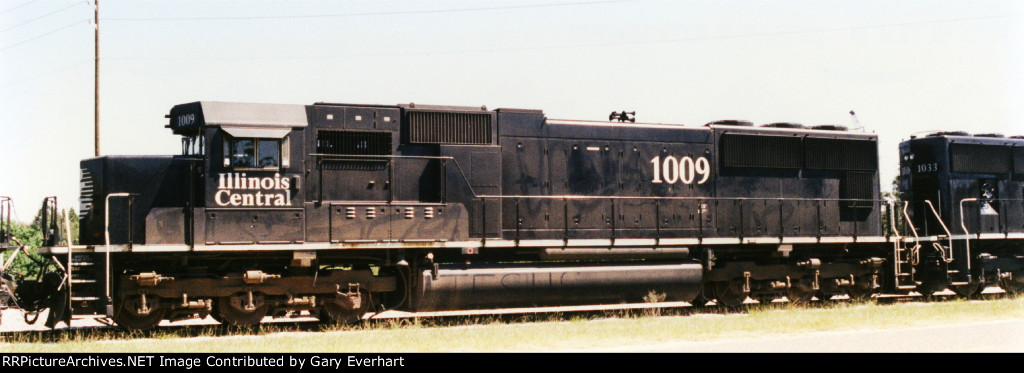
pixel 913 229
pixel 5 222
pixel 897 244
pixel 700 201
pixel 379 157
pixel 948 233
pixel 106 233
pixel 570 196
pixel 892 217
pixel 4 264
pixel 963 224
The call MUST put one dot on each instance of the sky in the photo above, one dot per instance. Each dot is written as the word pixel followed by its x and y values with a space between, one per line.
pixel 904 67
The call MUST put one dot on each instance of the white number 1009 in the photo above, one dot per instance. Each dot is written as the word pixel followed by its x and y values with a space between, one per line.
pixel 684 169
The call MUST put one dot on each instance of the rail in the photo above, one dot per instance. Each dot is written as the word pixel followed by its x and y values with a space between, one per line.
pixel 946 257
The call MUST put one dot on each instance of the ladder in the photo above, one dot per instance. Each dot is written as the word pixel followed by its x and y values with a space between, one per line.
pixel 85 284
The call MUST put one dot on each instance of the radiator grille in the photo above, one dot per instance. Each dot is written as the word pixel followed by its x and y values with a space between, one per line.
pixel 761 151
pixel 353 142
pixel 449 128
pixel 982 159
pixel 857 185
pixel 841 154
pixel 86 194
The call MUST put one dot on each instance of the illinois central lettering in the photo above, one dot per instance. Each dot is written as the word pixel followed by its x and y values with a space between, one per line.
pixel 237 189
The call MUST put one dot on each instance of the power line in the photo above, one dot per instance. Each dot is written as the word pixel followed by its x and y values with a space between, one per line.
pixel 19 6
pixel 41 17
pixel 54 71
pixel 434 11
pixel 590 45
pixel 39 36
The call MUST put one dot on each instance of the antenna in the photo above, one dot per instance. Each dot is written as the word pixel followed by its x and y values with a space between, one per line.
pixel 623 116
pixel 856 123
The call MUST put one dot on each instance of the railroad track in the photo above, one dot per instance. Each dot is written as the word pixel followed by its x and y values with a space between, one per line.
pixel 14 325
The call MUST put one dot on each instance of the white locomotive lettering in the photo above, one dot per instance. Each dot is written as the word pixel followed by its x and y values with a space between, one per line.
pixel 186 119
pixel 927 167
pixel 229 185
pixel 684 169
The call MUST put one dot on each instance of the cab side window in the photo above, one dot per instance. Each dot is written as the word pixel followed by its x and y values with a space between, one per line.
pixel 254 153
pixel 269 154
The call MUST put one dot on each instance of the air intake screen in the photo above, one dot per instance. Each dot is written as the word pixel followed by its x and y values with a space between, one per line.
pixel 857 185
pixel 449 128
pixel 980 159
pixel 761 151
pixel 353 143
pixel 839 154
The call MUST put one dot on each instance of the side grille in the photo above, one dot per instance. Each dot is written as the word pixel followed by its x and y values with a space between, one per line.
pixel 857 185
pixel 761 151
pixel 838 154
pixel 982 159
pixel 86 194
pixel 449 128
pixel 353 142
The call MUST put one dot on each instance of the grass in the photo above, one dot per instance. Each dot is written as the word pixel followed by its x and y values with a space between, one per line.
pixel 550 332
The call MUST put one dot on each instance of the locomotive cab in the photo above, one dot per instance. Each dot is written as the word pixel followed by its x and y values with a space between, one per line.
pixel 249 182
pixel 976 186
pixel 976 183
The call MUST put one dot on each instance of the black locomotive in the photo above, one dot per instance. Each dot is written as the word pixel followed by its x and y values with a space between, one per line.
pixel 337 209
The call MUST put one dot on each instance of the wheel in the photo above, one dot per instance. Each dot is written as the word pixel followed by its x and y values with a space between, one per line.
pixel 969 291
pixel 332 313
pixel 861 289
pixel 231 310
pixel 765 299
pixel 127 315
pixel 343 311
pixel 699 301
pixel 1012 287
pixel 930 286
pixel 729 293
pixel 216 316
pixel 824 296
pixel 799 293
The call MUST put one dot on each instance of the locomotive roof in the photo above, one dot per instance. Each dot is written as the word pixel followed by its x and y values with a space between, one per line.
pixel 734 128
pixel 239 119
pixel 983 139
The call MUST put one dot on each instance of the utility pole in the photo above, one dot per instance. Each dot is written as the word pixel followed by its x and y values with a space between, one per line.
pixel 96 84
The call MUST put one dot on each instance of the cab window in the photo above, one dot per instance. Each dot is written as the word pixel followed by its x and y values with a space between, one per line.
pixel 193 145
pixel 254 153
